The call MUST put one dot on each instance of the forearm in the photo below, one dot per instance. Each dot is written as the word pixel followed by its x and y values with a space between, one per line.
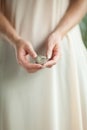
pixel 75 12
pixel 7 30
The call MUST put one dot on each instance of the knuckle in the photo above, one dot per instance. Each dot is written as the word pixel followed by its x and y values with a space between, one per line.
pixel 50 66
pixel 19 61
pixel 29 71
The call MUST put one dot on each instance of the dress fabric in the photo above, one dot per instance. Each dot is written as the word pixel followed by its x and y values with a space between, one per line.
pixel 50 99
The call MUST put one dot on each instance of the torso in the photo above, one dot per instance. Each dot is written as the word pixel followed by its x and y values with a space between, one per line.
pixel 35 18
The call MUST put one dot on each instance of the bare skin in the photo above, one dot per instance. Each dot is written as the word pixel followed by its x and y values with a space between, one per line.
pixel 75 12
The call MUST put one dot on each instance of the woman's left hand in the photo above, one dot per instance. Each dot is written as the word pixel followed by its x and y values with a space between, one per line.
pixel 53 49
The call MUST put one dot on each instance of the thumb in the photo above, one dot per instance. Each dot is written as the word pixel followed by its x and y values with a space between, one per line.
pixel 49 50
pixel 31 51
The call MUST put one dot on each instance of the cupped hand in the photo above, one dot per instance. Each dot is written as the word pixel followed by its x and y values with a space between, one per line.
pixel 23 51
pixel 53 49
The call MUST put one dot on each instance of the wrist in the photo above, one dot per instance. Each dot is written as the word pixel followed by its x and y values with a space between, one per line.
pixel 58 34
pixel 15 40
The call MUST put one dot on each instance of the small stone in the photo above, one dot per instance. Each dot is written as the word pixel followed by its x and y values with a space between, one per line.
pixel 41 59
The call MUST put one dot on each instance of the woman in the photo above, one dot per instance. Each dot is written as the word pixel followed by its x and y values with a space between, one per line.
pixel 51 96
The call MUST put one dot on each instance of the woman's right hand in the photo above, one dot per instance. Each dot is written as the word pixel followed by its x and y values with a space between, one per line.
pixel 23 51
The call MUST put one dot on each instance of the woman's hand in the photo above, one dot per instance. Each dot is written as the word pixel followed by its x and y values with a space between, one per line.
pixel 23 51
pixel 53 49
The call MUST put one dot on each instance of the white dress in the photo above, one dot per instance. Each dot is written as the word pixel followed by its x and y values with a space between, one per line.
pixel 50 99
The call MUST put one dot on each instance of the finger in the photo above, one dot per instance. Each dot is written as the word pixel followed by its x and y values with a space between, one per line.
pixel 54 58
pixel 56 53
pixel 50 63
pixel 34 66
pixel 25 63
pixel 31 51
pixel 33 70
pixel 49 50
pixel 21 57
pixel 30 66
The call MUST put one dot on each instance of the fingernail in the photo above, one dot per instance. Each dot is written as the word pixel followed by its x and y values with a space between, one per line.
pixel 49 56
pixel 35 56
